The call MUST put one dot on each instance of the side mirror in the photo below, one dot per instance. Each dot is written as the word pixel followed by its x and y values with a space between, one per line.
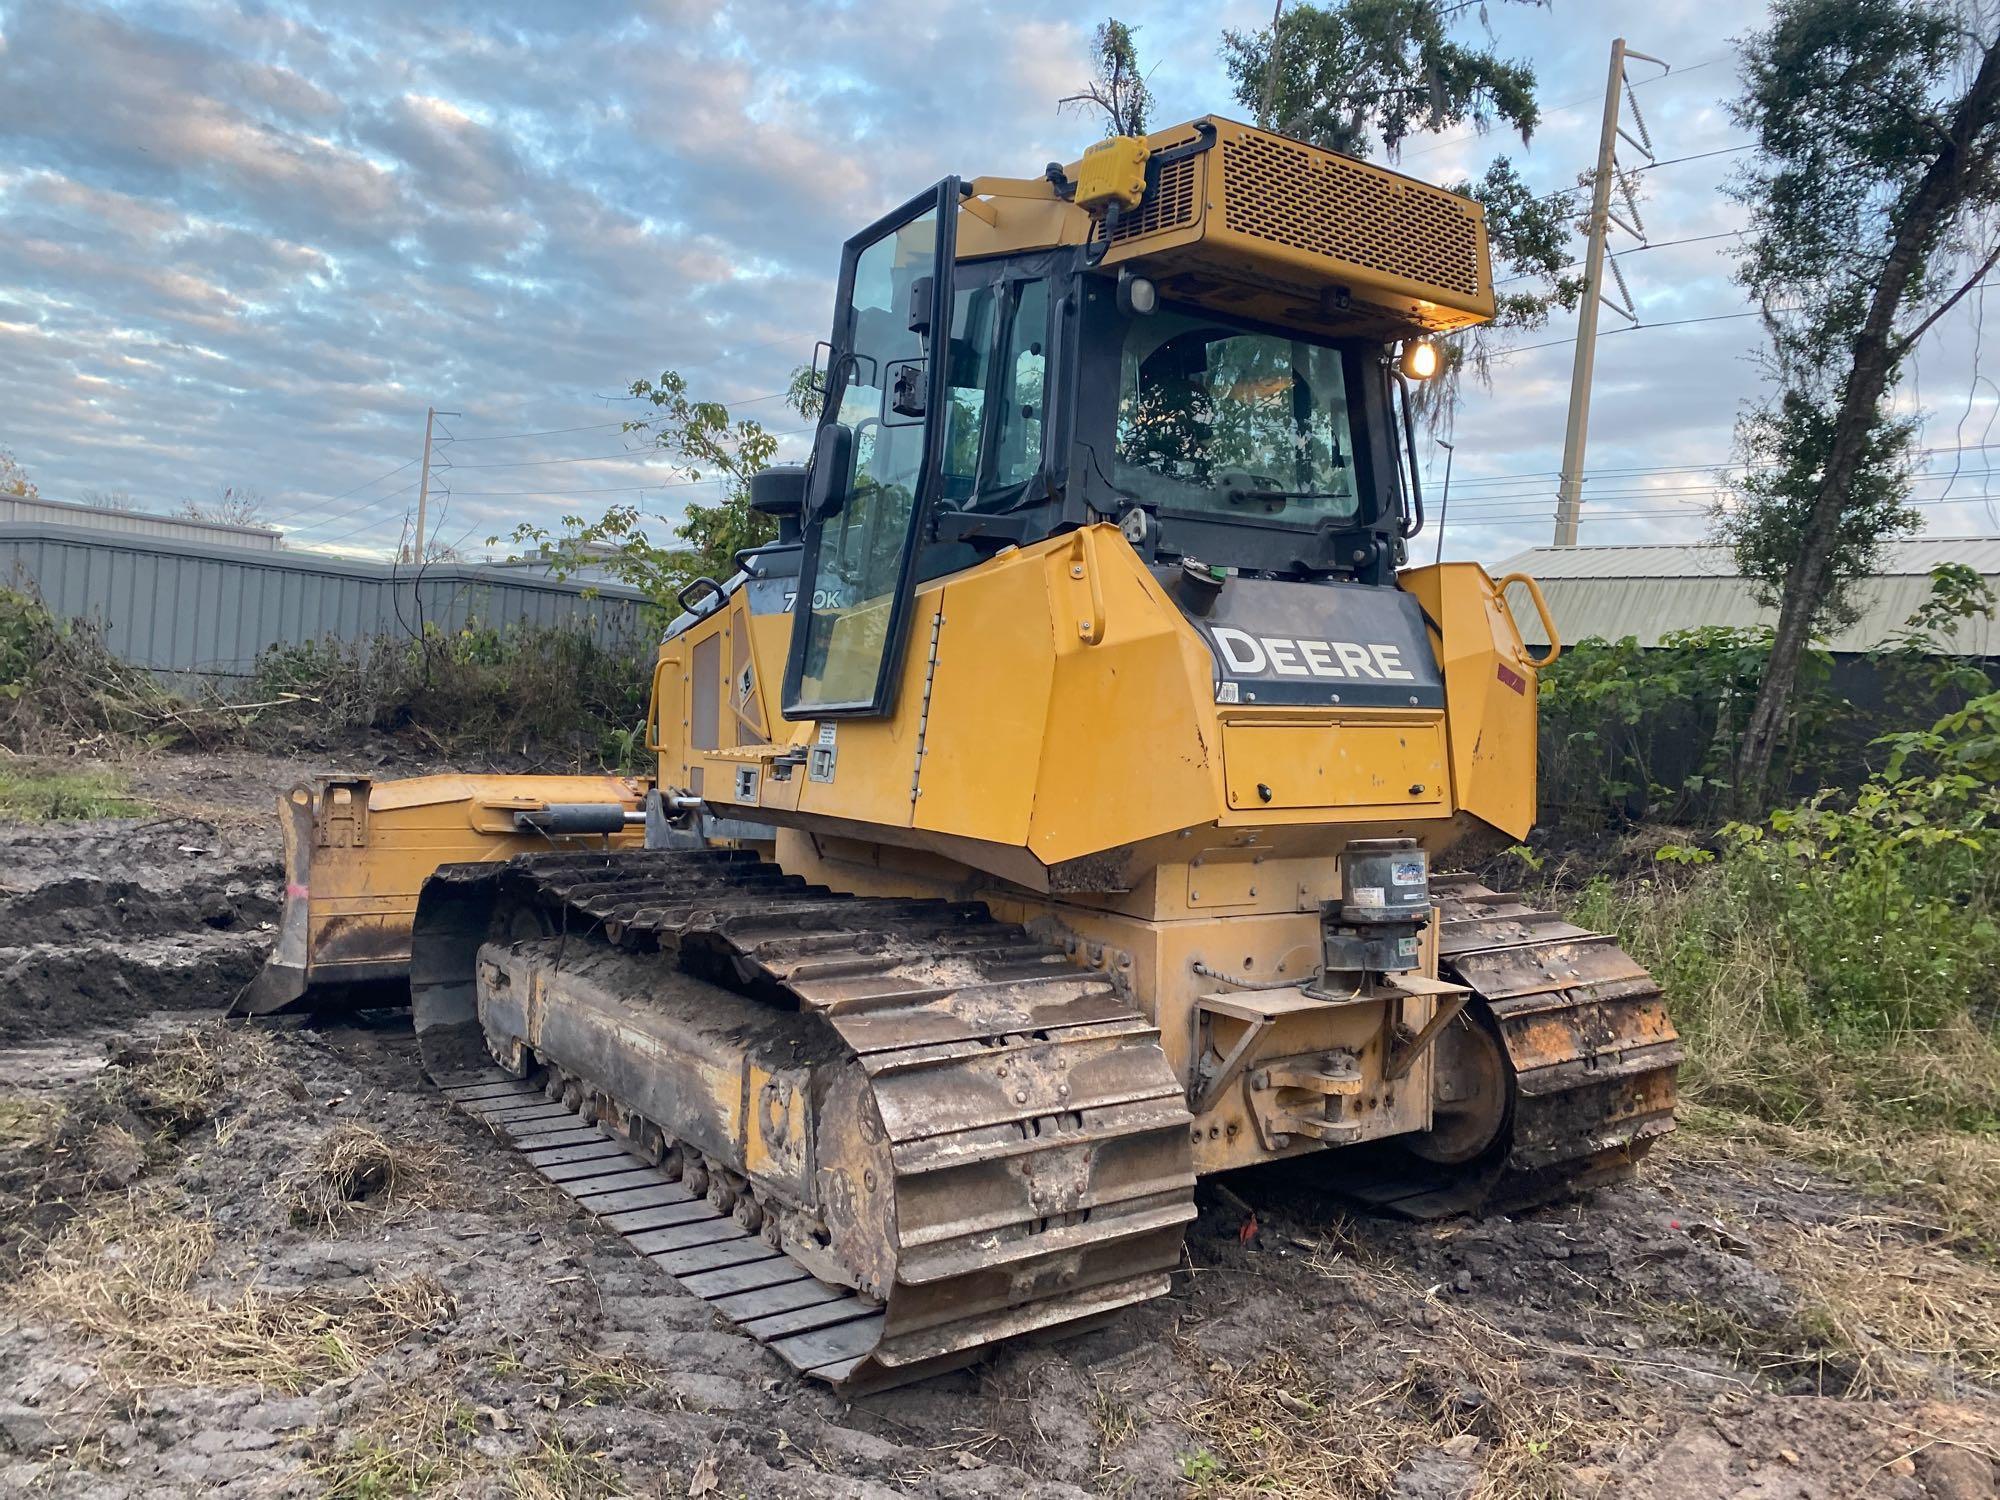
pixel 780 493
pixel 827 476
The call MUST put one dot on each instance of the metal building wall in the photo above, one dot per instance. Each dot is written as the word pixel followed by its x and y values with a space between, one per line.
pixel 40 510
pixel 187 609
pixel 1646 590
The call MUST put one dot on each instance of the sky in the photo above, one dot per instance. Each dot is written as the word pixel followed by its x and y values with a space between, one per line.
pixel 249 244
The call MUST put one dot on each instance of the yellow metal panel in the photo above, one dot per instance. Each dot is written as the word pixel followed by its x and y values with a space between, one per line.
pixel 1490 685
pixel 1220 881
pixel 1336 761
pixel 1008 215
pixel 1279 230
pixel 989 709
pixel 745 700
pixel 669 713
pixel 1376 230
pixel 1131 750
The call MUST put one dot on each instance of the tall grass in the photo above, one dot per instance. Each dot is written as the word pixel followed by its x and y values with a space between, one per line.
pixel 1835 971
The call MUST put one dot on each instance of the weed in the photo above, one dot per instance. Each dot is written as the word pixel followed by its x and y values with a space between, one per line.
pixel 23 1118
pixel 558 1470
pixel 378 1468
pixel 426 1443
pixel 1115 1419
pixel 475 688
pixel 354 1169
pixel 130 1275
pixel 1297 1423
pixel 1200 1468
pixel 594 1378
pixel 49 794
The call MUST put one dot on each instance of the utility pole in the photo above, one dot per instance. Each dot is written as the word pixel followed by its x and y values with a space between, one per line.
pixel 1617 88
pixel 431 414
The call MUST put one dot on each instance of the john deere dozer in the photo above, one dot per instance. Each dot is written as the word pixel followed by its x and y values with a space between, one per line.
pixel 1046 818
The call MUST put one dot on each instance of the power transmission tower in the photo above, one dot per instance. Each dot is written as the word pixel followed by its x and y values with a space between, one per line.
pixel 1617 94
pixel 431 414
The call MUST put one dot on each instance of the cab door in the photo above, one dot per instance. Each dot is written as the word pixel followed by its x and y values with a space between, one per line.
pixel 876 461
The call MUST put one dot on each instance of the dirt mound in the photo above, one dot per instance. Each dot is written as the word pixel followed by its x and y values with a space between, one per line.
pixel 86 906
pixel 107 920
pixel 62 987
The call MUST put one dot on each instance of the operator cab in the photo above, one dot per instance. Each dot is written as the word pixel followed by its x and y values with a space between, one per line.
pixel 1220 394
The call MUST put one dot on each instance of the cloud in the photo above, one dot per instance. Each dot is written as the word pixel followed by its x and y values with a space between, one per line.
pixel 251 243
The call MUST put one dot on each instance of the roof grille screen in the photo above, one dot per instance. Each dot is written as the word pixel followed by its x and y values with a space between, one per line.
pixel 1169 206
pixel 1292 195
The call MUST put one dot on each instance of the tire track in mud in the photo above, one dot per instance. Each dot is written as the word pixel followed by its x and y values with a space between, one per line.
pixel 101 921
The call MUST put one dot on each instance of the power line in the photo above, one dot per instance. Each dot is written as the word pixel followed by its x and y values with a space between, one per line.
pixel 1698 497
pixel 1473 131
pixel 1674 161
pixel 333 499
pixel 507 437
pixel 1536 516
pixel 1630 328
pixel 1720 463
pixel 1693 239
pixel 353 510
pixel 614 489
pixel 635 454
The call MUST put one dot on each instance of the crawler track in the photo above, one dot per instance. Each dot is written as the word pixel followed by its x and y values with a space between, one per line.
pixel 1033 1138
pixel 1590 1051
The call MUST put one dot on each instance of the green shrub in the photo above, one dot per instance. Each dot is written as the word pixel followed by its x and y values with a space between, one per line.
pixel 1842 957
pixel 1631 732
pixel 542 693
pixel 57 678
pixel 529 690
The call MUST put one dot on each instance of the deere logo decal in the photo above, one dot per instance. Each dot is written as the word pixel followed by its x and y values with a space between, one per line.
pixel 1247 655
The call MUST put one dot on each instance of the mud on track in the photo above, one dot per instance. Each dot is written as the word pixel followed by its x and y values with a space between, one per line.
pixel 205 1305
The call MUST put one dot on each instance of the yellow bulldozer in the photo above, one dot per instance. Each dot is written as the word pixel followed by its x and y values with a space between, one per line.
pixel 1047 817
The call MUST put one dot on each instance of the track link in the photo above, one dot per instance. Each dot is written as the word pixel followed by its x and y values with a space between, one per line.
pixel 1035 1139
pixel 1591 1053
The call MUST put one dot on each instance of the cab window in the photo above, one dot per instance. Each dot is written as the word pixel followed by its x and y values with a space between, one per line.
pixel 995 417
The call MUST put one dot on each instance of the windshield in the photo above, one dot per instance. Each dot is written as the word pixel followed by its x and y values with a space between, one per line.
pixel 1223 420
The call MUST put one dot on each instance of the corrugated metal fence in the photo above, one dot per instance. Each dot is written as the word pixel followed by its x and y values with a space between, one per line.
pixel 183 608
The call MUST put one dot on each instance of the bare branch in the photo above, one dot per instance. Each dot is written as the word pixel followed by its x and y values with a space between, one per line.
pixel 1909 341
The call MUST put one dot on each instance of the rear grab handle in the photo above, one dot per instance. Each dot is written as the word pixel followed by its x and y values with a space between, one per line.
pixel 1541 608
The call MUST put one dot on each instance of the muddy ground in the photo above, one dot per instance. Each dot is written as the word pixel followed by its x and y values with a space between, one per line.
pixel 268 1260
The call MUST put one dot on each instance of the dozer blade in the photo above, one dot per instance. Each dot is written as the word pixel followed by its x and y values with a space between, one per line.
pixel 357 852
pixel 878 1135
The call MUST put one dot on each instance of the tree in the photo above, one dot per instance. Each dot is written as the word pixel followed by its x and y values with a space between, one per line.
pixel 435 551
pixel 704 448
pixel 1357 75
pixel 14 479
pixel 1353 73
pixel 1117 86
pixel 109 500
pixel 231 505
pixel 803 393
pixel 1877 125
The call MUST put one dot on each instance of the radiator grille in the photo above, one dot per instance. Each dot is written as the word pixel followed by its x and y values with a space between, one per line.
pixel 1292 195
pixel 1168 206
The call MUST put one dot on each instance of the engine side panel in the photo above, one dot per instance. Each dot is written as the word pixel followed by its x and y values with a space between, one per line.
pixel 1059 707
